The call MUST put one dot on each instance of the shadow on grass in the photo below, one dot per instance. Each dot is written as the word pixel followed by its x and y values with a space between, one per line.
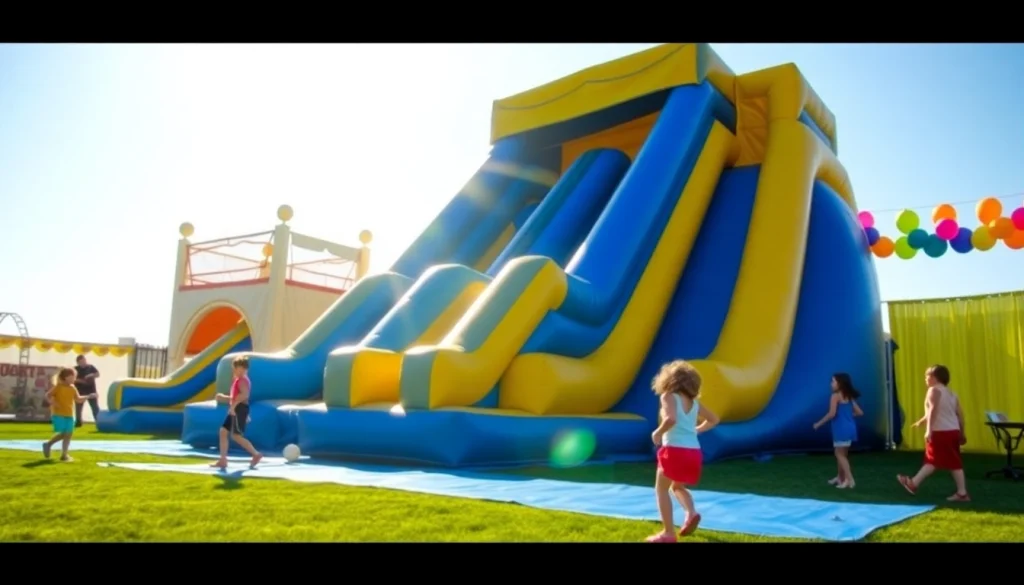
pixel 711 537
pixel 229 481
pixel 38 463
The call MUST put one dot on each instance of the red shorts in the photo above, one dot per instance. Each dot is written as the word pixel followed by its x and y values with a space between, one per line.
pixel 943 450
pixel 680 464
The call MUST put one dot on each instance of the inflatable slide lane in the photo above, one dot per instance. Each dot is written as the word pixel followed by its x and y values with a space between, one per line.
pixel 730 242
pixel 474 227
pixel 358 371
pixel 136 405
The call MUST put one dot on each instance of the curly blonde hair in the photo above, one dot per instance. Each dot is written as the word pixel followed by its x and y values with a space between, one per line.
pixel 677 376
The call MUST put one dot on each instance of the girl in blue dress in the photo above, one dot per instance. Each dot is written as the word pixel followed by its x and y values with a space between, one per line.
pixel 841 411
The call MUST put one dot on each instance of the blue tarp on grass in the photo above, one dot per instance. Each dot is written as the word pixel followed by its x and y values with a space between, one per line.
pixel 725 512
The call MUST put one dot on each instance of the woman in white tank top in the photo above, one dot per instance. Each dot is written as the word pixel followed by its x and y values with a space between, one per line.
pixel 944 435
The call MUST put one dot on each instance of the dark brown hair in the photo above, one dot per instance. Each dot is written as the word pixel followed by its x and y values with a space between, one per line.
pixel 845 383
pixel 940 373
pixel 679 377
pixel 240 362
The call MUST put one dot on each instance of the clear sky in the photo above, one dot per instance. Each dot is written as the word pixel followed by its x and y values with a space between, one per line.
pixel 105 150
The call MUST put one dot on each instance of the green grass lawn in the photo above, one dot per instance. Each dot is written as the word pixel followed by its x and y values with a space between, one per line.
pixel 44 501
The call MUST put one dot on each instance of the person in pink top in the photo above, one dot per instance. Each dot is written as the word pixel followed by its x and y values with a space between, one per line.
pixel 944 435
pixel 238 414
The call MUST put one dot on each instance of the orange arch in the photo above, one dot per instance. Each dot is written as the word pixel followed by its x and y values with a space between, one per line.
pixel 211 327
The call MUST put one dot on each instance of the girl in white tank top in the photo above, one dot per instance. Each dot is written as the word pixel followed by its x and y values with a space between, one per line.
pixel 679 457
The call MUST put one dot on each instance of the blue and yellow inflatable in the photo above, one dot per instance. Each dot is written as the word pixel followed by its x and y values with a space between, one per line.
pixel 694 213
pixel 732 241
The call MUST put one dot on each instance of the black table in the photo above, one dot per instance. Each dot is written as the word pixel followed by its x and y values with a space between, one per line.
pixel 1006 440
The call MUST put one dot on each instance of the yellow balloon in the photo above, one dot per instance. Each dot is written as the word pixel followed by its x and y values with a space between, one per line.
pixel 903 249
pixel 982 239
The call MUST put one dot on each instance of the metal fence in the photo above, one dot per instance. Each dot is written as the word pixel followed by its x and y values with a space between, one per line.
pixel 148 361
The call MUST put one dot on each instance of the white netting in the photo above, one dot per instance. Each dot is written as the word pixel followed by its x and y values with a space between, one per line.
pixel 228 260
pixel 320 269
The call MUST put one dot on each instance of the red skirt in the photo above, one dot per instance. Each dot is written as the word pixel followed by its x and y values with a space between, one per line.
pixel 943 450
pixel 680 464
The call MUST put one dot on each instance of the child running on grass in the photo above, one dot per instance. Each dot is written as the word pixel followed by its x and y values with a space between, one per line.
pixel 62 398
pixel 842 408
pixel 238 414
pixel 679 454
pixel 943 435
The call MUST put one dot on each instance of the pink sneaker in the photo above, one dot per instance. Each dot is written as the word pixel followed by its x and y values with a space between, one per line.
pixel 908 484
pixel 662 537
pixel 255 460
pixel 690 526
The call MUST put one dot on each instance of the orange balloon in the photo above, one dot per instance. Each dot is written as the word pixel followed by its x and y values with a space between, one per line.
pixel 944 211
pixel 1015 241
pixel 884 247
pixel 989 209
pixel 1001 228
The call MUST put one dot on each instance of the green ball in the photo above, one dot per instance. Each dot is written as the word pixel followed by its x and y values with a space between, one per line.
pixel 572 448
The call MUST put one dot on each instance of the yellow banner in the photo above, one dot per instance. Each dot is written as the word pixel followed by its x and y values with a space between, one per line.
pixel 100 349
pixel 980 340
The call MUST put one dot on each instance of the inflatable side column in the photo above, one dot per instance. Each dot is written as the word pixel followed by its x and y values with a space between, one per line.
pixel 273 338
pixel 363 263
pixel 175 349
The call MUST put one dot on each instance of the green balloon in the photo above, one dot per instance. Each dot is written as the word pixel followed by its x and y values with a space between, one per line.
pixel 903 249
pixel 907 221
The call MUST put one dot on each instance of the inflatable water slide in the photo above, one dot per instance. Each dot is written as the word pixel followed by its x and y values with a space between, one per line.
pixel 483 226
pixel 724 232
pixel 424 298
pixel 474 229
pixel 136 405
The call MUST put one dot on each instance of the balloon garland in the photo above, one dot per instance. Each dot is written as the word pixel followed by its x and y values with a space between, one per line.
pixel 995 227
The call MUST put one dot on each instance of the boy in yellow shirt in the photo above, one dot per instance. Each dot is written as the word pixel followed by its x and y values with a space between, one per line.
pixel 62 398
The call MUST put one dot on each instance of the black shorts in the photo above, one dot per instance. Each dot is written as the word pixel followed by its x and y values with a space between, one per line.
pixel 235 423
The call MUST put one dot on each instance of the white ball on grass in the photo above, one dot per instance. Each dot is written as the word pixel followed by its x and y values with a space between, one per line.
pixel 292 453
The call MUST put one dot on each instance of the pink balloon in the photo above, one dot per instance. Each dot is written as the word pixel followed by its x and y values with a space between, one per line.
pixel 947 229
pixel 867 220
pixel 1017 217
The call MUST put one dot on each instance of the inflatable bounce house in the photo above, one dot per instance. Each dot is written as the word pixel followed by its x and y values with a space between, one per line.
pixel 252 292
pixel 652 208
